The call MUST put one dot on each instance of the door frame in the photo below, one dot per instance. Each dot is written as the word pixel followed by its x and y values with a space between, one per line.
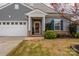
pixel 39 27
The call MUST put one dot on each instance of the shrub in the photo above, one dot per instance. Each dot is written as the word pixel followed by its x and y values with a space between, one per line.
pixel 48 26
pixel 72 28
pixel 77 35
pixel 50 34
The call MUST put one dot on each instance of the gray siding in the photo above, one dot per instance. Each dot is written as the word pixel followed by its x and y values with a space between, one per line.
pixel 77 28
pixel 65 23
pixel 15 14
pixel 48 20
pixel 42 6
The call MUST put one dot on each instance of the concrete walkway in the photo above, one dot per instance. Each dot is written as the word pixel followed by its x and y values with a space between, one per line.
pixel 8 43
pixel 34 38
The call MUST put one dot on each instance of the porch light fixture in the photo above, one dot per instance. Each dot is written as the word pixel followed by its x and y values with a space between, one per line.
pixel 9 16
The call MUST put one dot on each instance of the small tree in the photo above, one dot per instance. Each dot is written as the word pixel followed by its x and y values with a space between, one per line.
pixel 72 29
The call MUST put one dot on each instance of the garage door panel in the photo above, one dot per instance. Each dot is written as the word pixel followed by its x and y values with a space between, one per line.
pixel 13 30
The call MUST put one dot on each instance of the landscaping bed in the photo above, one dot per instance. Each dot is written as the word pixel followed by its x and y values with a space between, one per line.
pixel 57 47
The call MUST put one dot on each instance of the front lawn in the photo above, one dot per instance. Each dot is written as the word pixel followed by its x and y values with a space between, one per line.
pixel 57 47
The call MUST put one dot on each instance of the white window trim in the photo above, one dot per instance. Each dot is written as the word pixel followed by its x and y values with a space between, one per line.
pixel 54 26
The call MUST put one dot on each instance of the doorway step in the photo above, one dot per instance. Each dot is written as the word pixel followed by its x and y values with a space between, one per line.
pixel 34 38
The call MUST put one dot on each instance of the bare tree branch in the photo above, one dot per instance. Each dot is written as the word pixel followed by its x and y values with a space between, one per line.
pixel 62 10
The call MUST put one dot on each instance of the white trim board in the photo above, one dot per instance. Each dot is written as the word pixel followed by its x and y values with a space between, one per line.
pixel 26 6
pixel 8 4
pixel 36 10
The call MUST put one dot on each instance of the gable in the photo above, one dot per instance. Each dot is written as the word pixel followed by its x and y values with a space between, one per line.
pixel 15 14
pixel 43 7
pixel 8 4
pixel 36 13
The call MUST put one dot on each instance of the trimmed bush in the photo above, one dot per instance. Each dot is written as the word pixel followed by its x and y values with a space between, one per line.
pixel 77 35
pixel 50 34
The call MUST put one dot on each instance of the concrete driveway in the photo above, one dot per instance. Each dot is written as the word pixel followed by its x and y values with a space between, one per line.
pixel 8 43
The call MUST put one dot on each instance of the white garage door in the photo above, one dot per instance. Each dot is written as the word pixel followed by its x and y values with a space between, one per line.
pixel 13 28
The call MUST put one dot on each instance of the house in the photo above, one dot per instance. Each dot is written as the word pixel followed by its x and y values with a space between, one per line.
pixel 23 19
pixel 77 23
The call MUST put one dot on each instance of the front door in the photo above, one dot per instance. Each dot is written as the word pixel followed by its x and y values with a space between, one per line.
pixel 37 28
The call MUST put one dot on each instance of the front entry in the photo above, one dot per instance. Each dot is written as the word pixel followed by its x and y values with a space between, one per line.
pixel 37 28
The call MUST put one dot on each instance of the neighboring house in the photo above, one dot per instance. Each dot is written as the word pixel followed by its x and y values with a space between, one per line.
pixel 29 19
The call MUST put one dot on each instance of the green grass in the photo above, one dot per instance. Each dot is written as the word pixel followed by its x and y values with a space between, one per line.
pixel 58 47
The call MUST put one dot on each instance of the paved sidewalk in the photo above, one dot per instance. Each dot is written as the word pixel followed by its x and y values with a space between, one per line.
pixel 34 38
pixel 8 43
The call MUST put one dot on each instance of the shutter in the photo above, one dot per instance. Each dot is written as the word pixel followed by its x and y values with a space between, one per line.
pixel 52 24
pixel 62 24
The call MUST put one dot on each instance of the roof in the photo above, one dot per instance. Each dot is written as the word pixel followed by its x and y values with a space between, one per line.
pixel 42 7
pixel 36 10
pixel 8 4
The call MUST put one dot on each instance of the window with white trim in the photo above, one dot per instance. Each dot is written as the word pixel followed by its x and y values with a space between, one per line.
pixel 54 24
pixel 16 6
pixel 57 24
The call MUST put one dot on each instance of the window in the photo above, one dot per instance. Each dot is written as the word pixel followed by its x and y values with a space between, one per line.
pixel 0 23
pixel 20 23
pixel 16 6
pixel 24 23
pixel 54 24
pixel 8 23
pixel 12 23
pixel 57 24
pixel 3 23
pixel 16 23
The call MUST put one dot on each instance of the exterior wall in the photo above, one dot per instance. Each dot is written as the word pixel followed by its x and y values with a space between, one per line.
pixel 48 20
pixel 78 28
pixel 65 23
pixel 18 14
